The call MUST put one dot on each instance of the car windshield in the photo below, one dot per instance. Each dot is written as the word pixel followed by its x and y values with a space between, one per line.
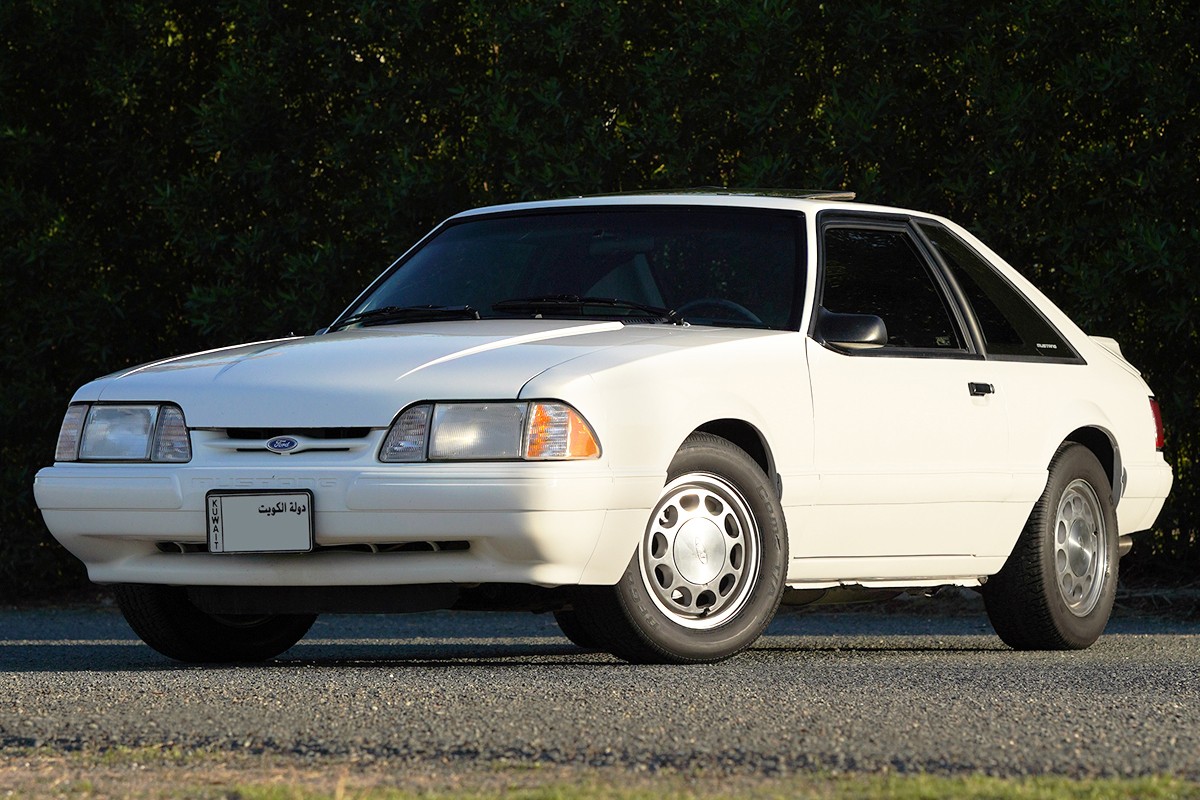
pixel 705 266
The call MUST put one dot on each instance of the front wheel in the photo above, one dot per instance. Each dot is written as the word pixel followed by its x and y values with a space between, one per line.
pixel 164 618
pixel 1056 590
pixel 573 629
pixel 709 571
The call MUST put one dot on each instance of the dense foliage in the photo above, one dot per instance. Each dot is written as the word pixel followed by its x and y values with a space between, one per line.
pixel 183 175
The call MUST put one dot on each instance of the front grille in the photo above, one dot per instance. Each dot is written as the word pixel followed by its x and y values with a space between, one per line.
pixel 307 440
pixel 308 433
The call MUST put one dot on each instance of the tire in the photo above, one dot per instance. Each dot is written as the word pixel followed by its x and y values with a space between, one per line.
pixel 575 630
pixel 1056 590
pixel 709 570
pixel 164 618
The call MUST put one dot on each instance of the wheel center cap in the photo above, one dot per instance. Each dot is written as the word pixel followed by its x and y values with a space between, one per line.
pixel 1079 547
pixel 699 551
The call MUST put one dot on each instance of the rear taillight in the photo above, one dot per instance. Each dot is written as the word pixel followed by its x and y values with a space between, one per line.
pixel 1160 438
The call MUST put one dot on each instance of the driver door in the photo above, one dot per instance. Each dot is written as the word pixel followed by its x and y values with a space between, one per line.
pixel 911 437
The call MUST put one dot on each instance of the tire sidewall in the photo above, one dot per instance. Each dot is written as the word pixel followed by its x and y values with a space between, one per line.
pixel 708 454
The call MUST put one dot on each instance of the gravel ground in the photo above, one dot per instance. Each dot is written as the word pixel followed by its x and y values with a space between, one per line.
pixel 902 689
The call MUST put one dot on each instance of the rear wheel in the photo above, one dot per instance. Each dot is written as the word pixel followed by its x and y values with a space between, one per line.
pixel 164 618
pixel 709 571
pixel 1056 590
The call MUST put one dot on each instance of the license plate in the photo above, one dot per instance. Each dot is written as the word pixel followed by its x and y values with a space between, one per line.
pixel 259 522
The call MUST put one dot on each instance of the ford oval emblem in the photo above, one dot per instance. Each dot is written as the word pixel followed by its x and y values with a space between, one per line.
pixel 282 444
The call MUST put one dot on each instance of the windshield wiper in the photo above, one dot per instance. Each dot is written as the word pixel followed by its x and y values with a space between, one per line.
pixel 390 315
pixel 574 304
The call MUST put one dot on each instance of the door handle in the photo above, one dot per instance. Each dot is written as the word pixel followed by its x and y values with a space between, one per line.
pixel 980 389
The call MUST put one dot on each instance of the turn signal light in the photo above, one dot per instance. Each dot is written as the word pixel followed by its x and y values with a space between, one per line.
pixel 557 431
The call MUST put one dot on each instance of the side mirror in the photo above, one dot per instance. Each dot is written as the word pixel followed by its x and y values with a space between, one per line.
pixel 852 331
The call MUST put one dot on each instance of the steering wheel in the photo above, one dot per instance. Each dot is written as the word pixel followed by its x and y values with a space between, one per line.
pixel 736 309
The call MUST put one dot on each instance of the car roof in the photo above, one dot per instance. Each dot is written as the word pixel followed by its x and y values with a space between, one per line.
pixel 778 199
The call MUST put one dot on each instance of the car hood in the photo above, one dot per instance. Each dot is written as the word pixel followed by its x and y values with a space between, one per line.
pixel 362 377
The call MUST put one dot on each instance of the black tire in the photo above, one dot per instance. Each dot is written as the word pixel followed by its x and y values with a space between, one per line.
pixel 166 620
pixel 709 572
pixel 575 630
pixel 1056 590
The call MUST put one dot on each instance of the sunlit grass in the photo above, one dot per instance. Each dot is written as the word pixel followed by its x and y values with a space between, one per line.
pixel 150 773
pixel 917 787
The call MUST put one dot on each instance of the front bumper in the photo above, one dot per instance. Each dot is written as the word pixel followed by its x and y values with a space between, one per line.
pixel 546 524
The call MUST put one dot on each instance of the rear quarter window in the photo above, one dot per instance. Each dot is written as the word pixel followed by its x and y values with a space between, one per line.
pixel 1011 325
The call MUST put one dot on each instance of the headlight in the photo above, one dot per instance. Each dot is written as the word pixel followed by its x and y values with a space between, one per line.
pixel 142 432
pixel 537 431
pixel 476 431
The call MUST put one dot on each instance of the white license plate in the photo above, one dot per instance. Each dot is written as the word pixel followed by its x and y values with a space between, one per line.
pixel 260 522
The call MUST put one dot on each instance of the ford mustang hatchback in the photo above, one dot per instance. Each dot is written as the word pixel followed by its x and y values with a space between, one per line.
pixel 653 416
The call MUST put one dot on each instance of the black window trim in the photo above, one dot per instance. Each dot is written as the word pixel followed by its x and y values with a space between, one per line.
pixel 968 311
pixel 949 291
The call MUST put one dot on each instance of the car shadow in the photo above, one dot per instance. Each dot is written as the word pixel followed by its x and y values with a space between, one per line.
pixel 99 640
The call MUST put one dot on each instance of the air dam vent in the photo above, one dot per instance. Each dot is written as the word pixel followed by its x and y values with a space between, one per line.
pixel 449 546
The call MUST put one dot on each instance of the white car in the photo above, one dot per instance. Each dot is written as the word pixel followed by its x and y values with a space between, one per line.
pixel 654 416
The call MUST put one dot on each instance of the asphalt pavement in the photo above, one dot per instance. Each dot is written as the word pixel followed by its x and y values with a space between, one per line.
pixel 899 691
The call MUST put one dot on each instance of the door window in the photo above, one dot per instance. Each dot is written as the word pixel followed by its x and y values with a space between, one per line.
pixel 880 271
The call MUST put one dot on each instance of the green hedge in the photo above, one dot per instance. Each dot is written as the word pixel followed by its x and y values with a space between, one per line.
pixel 178 176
